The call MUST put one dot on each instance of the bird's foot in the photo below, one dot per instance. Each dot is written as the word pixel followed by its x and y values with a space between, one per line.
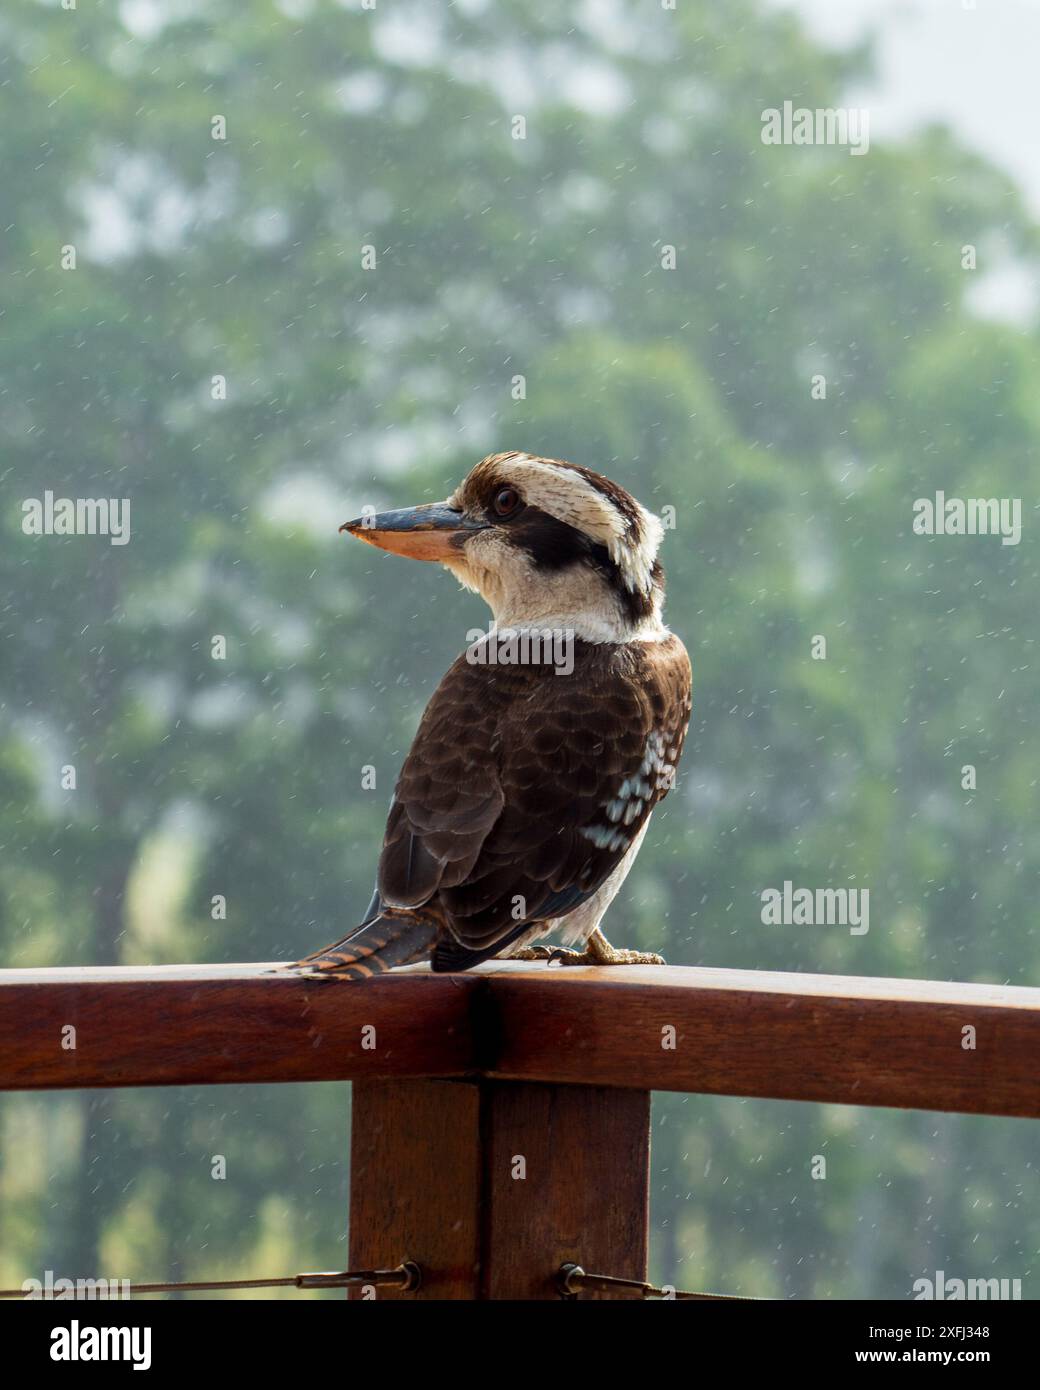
pixel 598 951
pixel 613 955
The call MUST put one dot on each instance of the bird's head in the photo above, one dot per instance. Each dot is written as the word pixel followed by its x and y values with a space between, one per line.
pixel 543 541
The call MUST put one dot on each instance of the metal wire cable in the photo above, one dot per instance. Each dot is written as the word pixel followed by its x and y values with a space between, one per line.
pixel 406 1277
pixel 572 1280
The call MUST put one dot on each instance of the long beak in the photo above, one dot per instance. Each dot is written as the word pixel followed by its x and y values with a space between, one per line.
pixel 431 532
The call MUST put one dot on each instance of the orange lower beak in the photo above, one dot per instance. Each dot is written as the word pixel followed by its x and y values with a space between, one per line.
pixel 432 532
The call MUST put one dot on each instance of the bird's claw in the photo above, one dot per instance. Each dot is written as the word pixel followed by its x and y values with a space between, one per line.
pixel 549 953
pixel 597 952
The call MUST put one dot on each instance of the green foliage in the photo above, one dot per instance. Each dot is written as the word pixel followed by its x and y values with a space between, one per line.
pixel 242 777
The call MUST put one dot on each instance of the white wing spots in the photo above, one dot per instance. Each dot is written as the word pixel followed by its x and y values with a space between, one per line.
pixel 634 786
pixel 606 836
pixel 658 764
pixel 656 773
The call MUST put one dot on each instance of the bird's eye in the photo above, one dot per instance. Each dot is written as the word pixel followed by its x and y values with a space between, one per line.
pixel 506 500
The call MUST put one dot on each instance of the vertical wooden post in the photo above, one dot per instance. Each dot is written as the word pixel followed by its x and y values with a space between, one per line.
pixel 584 1197
pixel 415 1181
pixel 491 1186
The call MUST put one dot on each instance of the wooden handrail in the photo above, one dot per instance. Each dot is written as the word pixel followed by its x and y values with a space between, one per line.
pixel 549 1068
pixel 832 1038
pixel 916 1044
pixel 202 1024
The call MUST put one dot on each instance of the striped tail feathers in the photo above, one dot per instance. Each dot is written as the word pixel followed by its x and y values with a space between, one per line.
pixel 395 937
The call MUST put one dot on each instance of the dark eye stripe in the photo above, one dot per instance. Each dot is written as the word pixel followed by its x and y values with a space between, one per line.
pixel 554 545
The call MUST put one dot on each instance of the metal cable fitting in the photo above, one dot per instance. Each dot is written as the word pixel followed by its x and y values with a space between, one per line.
pixel 407 1277
pixel 571 1280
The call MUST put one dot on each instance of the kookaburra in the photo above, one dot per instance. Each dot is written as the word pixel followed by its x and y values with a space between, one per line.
pixel 527 792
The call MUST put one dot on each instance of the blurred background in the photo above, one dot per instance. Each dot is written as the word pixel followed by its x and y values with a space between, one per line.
pixel 367 284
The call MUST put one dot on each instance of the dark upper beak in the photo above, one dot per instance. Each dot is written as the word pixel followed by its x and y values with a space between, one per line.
pixel 431 532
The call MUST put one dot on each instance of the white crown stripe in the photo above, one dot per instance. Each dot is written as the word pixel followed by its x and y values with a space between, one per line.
pixel 569 497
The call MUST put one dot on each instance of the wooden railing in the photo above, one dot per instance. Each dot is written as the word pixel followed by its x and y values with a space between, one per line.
pixel 501 1118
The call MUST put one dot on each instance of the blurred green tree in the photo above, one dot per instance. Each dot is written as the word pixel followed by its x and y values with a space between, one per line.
pixel 221 356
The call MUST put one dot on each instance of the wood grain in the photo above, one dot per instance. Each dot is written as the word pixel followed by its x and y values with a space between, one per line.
pixel 490 1187
pixel 194 1025
pixel 843 1039
pixel 792 1037
pixel 584 1194
pixel 416 1177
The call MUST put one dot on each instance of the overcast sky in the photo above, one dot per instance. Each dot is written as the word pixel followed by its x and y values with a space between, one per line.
pixel 974 68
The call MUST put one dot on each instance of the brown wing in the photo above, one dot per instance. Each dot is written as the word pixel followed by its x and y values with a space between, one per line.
pixel 524 788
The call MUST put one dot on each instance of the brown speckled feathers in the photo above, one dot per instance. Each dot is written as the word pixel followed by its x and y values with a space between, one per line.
pixel 524 788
